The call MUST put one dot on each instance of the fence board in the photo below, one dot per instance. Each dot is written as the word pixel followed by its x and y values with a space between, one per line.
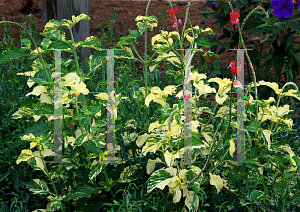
pixel 65 10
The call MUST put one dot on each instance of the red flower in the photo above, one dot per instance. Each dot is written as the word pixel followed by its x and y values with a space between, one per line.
pixel 234 69
pixel 236 14
pixel 172 19
pixel 234 18
pixel 72 124
pixel 232 63
pixel 179 21
pixel 171 13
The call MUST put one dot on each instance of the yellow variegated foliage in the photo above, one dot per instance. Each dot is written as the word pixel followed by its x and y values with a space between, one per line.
pixel 151 165
pixel 288 149
pixel 189 200
pixel 224 87
pixel 217 181
pixel 232 147
pixel 38 90
pixel 267 134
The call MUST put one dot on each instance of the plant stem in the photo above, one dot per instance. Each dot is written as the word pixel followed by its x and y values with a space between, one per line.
pixel 146 62
pixel 148 7
pixel 106 178
pixel 75 53
pixel 33 41
pixel 54 9
pixel 49 177
pixel 212 149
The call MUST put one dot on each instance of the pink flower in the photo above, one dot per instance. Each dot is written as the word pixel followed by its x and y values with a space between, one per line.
pixel 187 97
pixel 261 43
pixel 235 83
pixel 72 124
pixel 245 102
pixel 239 69
pixel 175 25
pixel 256 39
pixel 179 21
pixel 234 18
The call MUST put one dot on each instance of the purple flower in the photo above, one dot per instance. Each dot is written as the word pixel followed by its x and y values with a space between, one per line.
pixel 282 8
pixel 213 5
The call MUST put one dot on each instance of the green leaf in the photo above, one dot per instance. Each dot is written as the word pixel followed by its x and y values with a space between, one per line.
pixel 221 71
pixel 278 58
pixel 256 30
pixel 156 178
pixel 11 54
pixel 95 170
pixel 45 43
pixel 96 60
pixel 253 128
pixel 133 33
pixel 94 110
pixel 216 64
pixel 266 65
pixel 54 34
pixel 224 20
pixel 81 191
pixel 280 187
pixel 253 54
pixel 92 42
pixel 272 19
pixel 4 208
pixel 90 146
pixel 203 41
pixel 296 58
pixel 59 44
pixel 78 117
pixel 294 25
pixel 289 41
pixel 38 186
pixel 262 25
pixel 226 7
pixel 59 172
pixel 85 111
pixel 130 173
pixel 238 4
pixel 222 50
pixel 213 54
pixel 225 45
pixel 190 175
pixel 255 195
pixel 26 42
pixel 81 17
pixel 141 27
pixel 226 33
pixel 81 139
pixel 37 129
